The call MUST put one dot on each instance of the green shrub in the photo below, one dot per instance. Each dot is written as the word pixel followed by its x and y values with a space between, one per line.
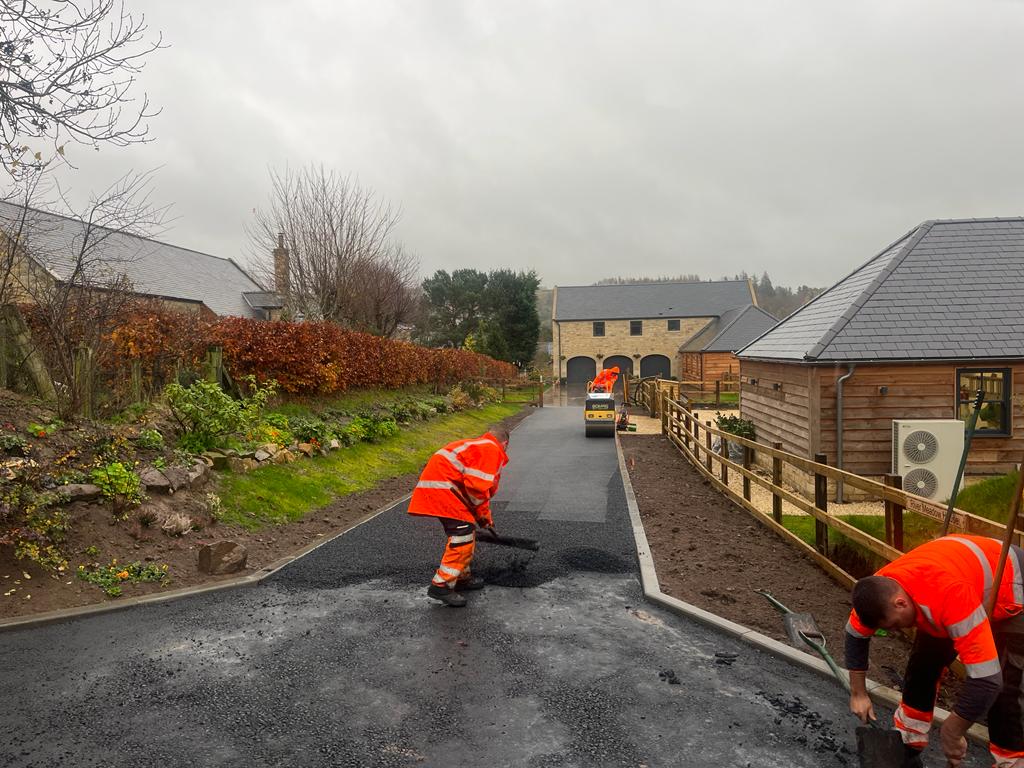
pixel 735 425
pixel 119 484
pixel 14 445
pixel 459 399
pixel 311 430
pixel 206 415
pixel 150 440
pixel 110 577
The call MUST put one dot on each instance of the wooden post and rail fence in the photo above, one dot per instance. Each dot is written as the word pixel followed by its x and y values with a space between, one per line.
pixel 696 441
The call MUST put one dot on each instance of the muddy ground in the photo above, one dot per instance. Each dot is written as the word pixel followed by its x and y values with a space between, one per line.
pixel 93 526
pixel 713 554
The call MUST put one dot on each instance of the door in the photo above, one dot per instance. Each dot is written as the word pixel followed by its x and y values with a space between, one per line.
pixel 656 365
pixel 580 370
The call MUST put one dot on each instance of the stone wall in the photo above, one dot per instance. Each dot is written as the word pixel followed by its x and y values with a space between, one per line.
pixel 576 338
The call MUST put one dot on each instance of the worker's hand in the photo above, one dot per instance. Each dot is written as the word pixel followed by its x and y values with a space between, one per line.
pixel 861 706
pixel 954 745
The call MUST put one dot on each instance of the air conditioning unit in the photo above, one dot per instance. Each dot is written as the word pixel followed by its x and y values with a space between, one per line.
pixel 926 453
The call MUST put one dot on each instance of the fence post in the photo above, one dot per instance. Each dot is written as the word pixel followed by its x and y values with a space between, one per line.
pixel 540 393
pixel 136 381
pixel 652 401
pixel 707 442
pixel 821 502
pixel 83 380
pixel 723 451
pixel 718 392
pixel 894 515
pixel 214 364
pixel 684 426
pixel 5 380
pixel 663 407
pixel 746 466
pixel 777 480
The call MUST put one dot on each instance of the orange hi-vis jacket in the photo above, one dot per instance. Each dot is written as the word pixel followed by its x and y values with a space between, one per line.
pixel 950 581
pixel 460 480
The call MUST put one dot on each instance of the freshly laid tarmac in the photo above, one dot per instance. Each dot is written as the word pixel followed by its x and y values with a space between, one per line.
pixel 341 660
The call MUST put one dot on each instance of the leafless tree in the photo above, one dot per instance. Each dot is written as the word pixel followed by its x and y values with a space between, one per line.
pixel 344 264
pixel 76 281
pixel 67 74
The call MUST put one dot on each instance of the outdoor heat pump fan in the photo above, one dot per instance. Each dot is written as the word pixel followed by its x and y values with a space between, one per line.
pixel 926 454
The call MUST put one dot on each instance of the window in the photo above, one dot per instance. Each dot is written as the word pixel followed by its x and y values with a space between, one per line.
pixel 599 328
pixel 636 327
pixel 995 413
pixel 673 325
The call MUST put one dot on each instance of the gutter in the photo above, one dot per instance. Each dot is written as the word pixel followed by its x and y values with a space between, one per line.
pixel 839 427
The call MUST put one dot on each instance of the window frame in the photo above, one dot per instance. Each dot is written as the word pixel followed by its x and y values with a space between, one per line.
pixel 1006 430
pixel 636 324
pixel 594 328
pixel 668 325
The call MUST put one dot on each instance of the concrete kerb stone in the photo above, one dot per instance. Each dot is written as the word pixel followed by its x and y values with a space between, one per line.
pixel 68 614
pixel 879 693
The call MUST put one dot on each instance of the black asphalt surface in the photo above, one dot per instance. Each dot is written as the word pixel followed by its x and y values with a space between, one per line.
pixel 341 660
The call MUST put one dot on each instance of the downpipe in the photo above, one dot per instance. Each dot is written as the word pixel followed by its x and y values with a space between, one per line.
pixel 839 427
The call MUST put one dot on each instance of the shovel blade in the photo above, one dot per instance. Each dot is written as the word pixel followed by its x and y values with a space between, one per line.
pixel 878 748
pixel 795 623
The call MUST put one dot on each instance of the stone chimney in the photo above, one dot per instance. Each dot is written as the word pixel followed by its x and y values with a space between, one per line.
pixel 282 279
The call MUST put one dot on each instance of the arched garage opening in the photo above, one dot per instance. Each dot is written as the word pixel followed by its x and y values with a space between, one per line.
pixel 624 364
pixel 656 365
pixel 580 370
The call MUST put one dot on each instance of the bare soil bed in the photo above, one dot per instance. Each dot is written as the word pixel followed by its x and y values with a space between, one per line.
pixel 93 526
pixel 713 554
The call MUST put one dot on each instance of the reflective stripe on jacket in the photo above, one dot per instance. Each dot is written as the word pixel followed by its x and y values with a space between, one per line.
pixel 950 580
pixel 460 480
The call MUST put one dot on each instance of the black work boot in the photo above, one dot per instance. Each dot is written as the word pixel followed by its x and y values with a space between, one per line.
pixel 446 595
pixel 468 585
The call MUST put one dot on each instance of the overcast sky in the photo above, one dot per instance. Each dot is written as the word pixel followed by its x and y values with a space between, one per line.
pixel 591 138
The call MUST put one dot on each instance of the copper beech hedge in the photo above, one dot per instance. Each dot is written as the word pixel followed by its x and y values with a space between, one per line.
pixel 304 358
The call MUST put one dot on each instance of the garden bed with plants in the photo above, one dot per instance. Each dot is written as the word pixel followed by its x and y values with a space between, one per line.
pixel 57 553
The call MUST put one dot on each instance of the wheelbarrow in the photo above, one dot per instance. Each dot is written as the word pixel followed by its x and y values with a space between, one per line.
pixel 877 747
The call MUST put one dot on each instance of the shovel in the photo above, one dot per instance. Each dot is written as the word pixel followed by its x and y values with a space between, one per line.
pixel 877 747
pixel 489 537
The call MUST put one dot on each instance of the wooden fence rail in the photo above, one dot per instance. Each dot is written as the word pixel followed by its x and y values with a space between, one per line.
pixel 696 442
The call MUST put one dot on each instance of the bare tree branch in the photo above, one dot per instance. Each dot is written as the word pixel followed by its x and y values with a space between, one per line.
pixel 67 73
pixel 344 265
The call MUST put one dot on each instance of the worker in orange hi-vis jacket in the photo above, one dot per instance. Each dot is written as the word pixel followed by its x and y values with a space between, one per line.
pixel 605 380
pixel 456 487
pixel 942 588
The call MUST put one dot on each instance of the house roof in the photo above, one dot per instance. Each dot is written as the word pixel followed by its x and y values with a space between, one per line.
pixel 154 268
pixel 949 289
pixel 733 330
pixel 637 301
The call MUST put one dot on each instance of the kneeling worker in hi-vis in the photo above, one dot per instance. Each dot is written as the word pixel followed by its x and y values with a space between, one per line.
pixel 456 487
pixel 942 588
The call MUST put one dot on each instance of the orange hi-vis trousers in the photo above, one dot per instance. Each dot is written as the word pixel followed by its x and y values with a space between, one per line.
pixel 458 552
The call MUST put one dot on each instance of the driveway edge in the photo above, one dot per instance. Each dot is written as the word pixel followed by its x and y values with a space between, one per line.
pixel 880 694
pixel 67 614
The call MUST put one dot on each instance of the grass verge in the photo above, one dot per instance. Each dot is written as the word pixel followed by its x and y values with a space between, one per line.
pixel 990 498
pixel 284 493
pixel 917 529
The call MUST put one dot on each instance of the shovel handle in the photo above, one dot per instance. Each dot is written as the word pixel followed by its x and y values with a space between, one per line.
pixel 771 599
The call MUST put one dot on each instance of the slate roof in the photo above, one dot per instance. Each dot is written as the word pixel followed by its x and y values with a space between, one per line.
pixel 155 268
pixel 639 301
pixel 733 330
pixel 948 289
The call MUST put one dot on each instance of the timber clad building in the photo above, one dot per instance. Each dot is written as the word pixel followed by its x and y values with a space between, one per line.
pixel 642 328
pixel 911 334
